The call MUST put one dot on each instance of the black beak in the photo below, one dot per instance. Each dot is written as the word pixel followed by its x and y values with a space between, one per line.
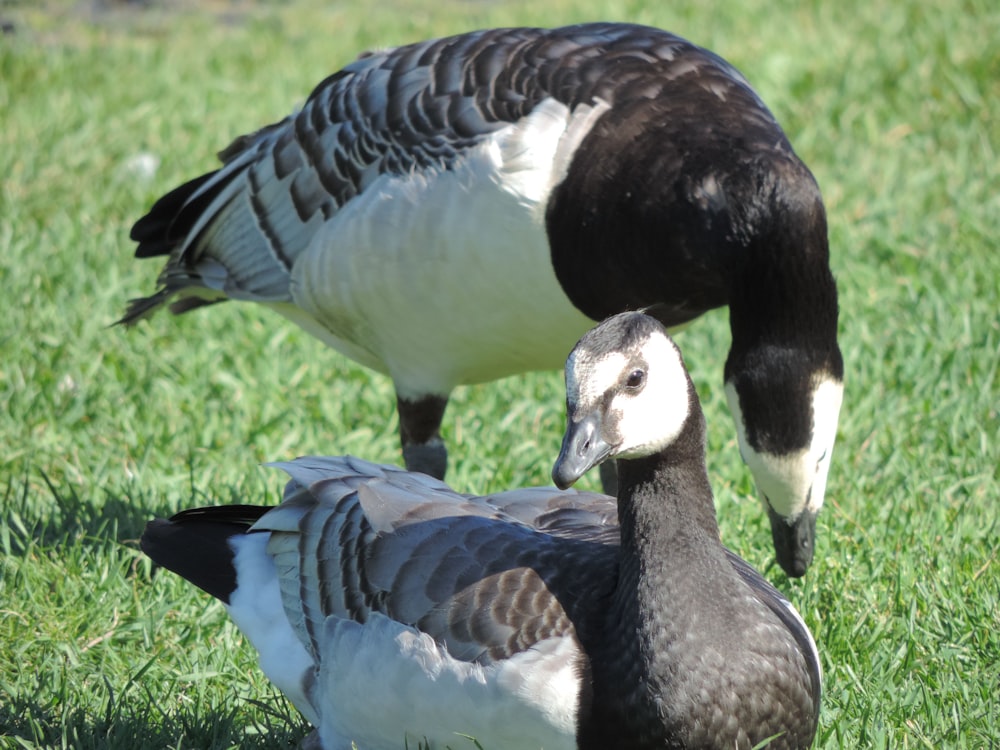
pixel 582 448
pixel 794 542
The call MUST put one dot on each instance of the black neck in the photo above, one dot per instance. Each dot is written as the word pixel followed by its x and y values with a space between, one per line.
pixel 667 515
pixel 672 216
pixel 672 562
pixel 784 292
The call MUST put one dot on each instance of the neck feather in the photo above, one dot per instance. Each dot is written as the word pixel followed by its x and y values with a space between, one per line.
pixel 672 567
pixel 668 493
pixel 668 525
pixel 784 292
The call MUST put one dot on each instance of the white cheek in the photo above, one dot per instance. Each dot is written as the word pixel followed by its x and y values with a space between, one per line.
pixel 827 399
pixel 796 481
pixel 653 418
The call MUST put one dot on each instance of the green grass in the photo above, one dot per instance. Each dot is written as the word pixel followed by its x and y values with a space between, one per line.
pixel 895 104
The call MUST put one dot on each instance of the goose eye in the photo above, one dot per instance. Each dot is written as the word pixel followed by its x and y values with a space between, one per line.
pixel 635 379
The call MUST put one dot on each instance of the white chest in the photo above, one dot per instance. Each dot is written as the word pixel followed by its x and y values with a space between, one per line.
pixel 444 277
pixel 383 685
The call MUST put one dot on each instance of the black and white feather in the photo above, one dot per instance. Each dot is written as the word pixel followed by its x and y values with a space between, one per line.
pixel 392 610
pixel 463 209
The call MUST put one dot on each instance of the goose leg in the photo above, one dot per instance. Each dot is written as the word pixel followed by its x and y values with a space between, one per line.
pixel 420 434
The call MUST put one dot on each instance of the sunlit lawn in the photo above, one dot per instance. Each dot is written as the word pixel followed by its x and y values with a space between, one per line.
pixel 103 106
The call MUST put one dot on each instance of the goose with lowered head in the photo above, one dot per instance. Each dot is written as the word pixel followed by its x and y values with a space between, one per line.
pixel 462 209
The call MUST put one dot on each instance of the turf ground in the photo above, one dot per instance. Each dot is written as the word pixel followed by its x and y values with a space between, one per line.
pixel 894 104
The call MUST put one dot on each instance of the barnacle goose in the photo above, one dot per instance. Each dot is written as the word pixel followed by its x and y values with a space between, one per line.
pixel 462 209
pixel 393 611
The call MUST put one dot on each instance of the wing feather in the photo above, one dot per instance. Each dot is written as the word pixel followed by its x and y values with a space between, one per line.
pixel 399 111
pixel 353 538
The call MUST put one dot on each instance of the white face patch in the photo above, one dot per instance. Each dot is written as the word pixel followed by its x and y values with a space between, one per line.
pixel 642 422
pixel 795 481
pixel 653 418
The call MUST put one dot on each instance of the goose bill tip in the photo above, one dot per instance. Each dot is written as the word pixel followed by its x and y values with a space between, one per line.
pixel 794 541
pixel 567 470
pixel 582 449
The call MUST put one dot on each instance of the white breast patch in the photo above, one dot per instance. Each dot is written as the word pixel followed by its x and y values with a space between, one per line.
pixel 444 277
pixel 383 685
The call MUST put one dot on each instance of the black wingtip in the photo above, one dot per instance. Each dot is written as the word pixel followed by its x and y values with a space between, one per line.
pixel 142 307
pixel 171 217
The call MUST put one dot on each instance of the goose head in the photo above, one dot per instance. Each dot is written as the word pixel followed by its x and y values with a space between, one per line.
pixel 622 381
pixel 788 443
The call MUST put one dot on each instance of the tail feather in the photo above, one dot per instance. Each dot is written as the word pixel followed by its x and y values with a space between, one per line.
pixel 194 544
pixel 143 307
pixel 170 218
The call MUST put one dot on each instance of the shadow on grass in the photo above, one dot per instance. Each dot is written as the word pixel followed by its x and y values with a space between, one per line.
pixel 65 517
pixel 50 521
pixel 143 724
